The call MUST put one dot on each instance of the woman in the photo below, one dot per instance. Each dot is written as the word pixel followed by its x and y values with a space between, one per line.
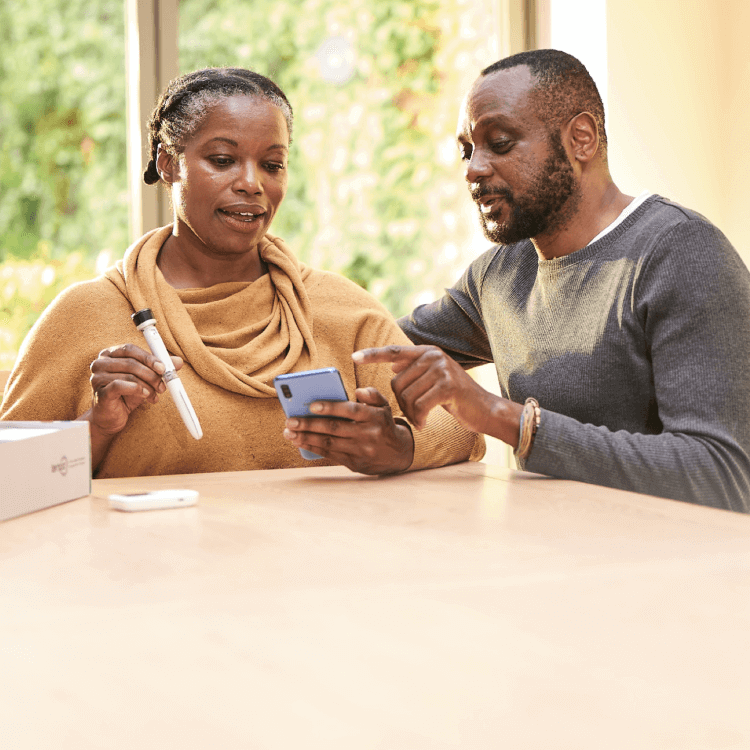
pixel 235 308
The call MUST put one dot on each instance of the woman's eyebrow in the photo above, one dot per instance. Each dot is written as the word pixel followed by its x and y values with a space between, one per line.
pixel 222 139
pixel 225 140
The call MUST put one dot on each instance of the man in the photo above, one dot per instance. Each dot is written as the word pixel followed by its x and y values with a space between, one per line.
pixel 627 320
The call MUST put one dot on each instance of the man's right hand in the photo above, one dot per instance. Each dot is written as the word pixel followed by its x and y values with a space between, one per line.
pixel 427 377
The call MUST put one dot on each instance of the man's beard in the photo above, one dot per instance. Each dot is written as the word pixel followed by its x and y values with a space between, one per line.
pixel 549 203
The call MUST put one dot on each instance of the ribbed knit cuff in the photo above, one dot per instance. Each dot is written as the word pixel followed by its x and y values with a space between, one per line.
pixel 443 441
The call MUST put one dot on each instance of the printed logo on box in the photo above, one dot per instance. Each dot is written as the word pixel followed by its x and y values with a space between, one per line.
pixel 62 467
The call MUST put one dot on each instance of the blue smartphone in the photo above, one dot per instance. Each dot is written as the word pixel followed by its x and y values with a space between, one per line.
pixel 297 390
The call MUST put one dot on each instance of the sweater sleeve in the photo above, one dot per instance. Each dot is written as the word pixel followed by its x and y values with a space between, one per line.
pixel 455 322
pixel 692 297
pixel 50 379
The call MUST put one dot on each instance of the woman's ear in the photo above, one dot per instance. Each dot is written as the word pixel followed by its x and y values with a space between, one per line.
pixel 166 165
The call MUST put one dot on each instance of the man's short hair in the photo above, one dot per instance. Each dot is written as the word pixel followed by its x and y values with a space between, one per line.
pixel 564 88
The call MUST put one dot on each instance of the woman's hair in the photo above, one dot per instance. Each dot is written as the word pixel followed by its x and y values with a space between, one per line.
pixel 188 99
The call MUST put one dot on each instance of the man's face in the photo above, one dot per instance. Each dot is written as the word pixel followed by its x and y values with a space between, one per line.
pixel 517 169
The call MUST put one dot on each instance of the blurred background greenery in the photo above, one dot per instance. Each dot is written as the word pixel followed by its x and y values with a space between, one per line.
pixel 376 190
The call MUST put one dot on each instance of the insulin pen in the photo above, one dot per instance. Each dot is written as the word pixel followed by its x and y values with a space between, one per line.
pixel 145 322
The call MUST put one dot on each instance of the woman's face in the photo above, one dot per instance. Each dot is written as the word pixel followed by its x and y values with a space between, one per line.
pixel 231 177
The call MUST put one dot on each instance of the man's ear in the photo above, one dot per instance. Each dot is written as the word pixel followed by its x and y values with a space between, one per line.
pixel 582 136
pixel 166 165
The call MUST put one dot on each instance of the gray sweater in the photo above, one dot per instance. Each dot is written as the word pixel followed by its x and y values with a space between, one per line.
pixel 636 347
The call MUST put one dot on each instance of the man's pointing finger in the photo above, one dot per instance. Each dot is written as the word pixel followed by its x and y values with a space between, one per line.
pixel 400 355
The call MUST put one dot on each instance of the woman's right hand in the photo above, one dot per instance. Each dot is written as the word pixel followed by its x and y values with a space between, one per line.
pixel 122 378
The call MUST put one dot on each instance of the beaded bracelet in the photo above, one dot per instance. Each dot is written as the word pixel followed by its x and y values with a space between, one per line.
pixel 531 416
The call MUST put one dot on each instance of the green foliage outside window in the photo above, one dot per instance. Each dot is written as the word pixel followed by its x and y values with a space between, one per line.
pixel 375 190
pixel 63 180
pixel 62 113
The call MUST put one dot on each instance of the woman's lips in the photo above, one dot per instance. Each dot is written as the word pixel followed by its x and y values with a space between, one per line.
pixel 241 219
pixel 242 215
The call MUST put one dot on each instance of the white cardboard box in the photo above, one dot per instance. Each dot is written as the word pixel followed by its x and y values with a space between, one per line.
pixel 42 464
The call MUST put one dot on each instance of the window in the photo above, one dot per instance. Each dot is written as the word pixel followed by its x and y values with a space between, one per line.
pixel 63 173
pixel 376 187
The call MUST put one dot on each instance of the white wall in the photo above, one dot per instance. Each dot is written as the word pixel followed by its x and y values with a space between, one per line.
pixel 678 81
pixel 735 189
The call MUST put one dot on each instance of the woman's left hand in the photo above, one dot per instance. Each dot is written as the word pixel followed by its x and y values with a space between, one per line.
pixel 361 435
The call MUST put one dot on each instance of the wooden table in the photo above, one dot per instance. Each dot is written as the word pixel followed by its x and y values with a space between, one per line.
pixel 465 607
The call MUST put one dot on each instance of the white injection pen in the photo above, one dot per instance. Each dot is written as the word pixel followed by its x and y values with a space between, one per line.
pixel 145 322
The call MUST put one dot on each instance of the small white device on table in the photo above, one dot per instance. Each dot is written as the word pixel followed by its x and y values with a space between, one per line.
pixel 156 500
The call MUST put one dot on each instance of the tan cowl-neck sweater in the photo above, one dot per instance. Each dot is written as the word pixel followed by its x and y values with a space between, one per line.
pixel 234 338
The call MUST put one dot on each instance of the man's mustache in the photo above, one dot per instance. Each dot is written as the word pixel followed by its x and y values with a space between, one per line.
pixel 483 191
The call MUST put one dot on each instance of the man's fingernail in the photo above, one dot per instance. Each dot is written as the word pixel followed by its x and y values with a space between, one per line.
pixel 159 367
pixel 292 423
pixel 358 356
pixel 316 407
pixel 145 391
pixel 289 435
